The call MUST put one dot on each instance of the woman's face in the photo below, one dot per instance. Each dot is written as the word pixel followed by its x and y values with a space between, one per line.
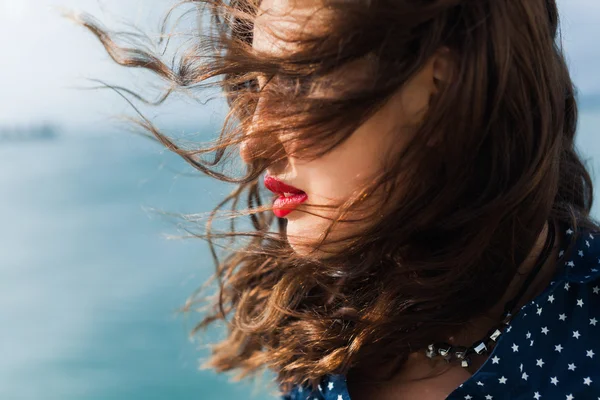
pixel 332 178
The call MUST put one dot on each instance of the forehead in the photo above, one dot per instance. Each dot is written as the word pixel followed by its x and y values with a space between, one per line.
pixel 280 19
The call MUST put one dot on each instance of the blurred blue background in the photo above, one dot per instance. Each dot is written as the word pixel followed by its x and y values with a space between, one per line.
pixel 89 284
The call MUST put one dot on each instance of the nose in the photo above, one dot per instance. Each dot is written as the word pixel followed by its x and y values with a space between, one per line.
pixel 254 147
pixel 269 149
pixel 250 148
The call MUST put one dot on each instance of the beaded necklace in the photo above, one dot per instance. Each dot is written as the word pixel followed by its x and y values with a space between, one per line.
pixel 485 345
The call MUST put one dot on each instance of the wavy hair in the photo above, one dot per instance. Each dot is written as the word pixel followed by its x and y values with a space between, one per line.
pixel 466 214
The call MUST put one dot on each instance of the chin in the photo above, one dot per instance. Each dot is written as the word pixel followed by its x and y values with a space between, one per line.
pixel 303 231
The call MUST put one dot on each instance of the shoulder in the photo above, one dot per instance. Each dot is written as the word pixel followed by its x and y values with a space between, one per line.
pixel 553 344
pixel 560 334
pixel 582 263
pixel 575 298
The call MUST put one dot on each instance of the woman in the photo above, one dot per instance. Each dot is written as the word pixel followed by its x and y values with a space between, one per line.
pixel 433 233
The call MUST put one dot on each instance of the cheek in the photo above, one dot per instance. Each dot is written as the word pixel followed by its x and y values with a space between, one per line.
pixel 363 156
pixel 351 165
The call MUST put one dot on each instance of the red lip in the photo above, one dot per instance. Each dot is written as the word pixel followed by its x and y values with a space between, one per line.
pixel 276 186
pixel 282 205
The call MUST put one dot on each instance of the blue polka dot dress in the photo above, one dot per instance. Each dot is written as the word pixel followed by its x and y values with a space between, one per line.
pixel 550 349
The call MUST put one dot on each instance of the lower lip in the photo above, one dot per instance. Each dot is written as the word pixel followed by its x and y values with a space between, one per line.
pixel 282 205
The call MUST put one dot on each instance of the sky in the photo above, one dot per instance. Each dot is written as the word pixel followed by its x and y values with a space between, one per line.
pixel 45 57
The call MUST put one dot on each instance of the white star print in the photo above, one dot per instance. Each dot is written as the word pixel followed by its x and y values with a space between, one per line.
pixel 567 286
pixel 502 380
pixel 524 376
pixel 572 367
pixel 488 397
pixel 587 381
pixel 596 289
pixel 340 397
pixel 558 348
pixel 480 383
pixel 539 362
pixel 570 397
pixel 580 253
pixel 571 264
pixel 562 317
pixel 468 397
pixel 569 231
pixel 531 344
pixel 537 396
pixel 515 348
pixel 521 367
pixel 593 321
pixel 551 298
pixel 554 381
pixel 587 243
pixel 590 353
pixel 495 360
pixel 545 330
pixel 528 335
pixel 560 253
pixel 330 385
pixel 580 302
pixel 576 334
pixel 539 311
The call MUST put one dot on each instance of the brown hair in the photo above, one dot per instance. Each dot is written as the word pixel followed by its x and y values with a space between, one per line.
pixel 470 208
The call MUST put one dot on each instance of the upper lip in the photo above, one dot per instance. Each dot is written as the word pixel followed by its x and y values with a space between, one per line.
pixel 277 186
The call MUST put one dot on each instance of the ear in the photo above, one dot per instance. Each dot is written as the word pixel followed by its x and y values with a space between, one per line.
pixel 441 65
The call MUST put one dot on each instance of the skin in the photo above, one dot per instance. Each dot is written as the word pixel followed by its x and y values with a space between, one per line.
pixel 333 178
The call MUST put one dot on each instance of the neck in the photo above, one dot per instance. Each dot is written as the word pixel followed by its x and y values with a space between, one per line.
pixel 479 326
pixel 540 282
